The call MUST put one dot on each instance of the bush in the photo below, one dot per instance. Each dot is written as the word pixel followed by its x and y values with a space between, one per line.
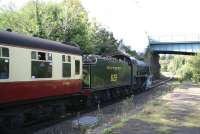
pixel 184 67
pixel 185 72
pixel 194 63
pixel 176 63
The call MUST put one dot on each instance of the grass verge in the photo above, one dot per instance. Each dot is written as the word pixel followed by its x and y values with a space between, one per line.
pixel 154 111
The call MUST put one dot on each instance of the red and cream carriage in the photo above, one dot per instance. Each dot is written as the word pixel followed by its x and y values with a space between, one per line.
pixel 32 68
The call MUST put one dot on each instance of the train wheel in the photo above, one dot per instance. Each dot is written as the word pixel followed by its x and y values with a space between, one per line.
pixel 108 95
pixel 90 102
pixel 12 123
pixel 59 109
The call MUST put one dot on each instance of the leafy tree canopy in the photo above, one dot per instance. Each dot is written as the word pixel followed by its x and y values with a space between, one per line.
pixel 64 22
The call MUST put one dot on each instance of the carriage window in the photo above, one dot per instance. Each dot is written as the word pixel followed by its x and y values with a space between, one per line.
pixel 66 66
pixel 41 69
pixel 63 58
pixel 66 69
pixel 40 66
pixel 41 56
pixel 69 58
pixel 77 67
pixel 5 52
pixel 33 55
pixel 4 63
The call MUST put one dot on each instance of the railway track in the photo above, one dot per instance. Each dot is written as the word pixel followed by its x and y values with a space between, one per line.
pixel 158 83
pixel 31 128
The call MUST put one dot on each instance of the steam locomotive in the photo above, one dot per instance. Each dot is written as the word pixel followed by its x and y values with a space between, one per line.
pixel 41 78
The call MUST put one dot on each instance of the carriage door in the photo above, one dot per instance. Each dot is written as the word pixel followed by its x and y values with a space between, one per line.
pixel 77 67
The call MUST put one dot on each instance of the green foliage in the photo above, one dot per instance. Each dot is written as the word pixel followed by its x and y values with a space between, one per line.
pixel 185 67
pixel 66 21
pixel 164 68
pixel 185 72
pixel 176 63
pixel 127 49
pixel 164 63
pixel 108 131
pixel 163 57
pixel 195 64
pixel 104 42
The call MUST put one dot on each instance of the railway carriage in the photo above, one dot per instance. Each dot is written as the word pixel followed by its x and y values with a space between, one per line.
pixel 36 70
pixel 32 68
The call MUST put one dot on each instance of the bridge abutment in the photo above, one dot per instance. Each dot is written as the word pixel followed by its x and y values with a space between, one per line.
pixel 155 65
pixel 153 60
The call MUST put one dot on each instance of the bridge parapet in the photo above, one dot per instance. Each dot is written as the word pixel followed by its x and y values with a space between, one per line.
pixel 175 38
pixel 174 45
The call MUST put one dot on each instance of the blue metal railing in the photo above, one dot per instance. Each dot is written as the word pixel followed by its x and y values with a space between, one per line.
pixel 175 38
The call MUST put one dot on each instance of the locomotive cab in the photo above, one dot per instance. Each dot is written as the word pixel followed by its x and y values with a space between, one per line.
pixel 139 71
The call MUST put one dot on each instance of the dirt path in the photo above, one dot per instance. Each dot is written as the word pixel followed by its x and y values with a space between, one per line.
pixel 177 112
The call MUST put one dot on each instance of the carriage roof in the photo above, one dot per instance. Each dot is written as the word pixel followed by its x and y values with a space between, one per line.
pixel 18 40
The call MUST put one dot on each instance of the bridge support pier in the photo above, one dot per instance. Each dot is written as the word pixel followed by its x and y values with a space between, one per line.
pixel 155 65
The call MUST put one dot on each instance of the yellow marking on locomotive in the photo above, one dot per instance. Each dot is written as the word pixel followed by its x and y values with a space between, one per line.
pixel 113 77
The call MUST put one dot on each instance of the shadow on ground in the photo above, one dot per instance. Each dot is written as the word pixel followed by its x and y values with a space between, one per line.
pixel 135 126
pixel 176 112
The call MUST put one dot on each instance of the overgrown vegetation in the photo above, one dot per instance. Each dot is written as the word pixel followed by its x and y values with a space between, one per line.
pixel 154 111
pixel 66 21
pixel 185 67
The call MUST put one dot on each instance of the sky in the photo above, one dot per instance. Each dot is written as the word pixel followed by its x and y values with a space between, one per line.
pixel 135 20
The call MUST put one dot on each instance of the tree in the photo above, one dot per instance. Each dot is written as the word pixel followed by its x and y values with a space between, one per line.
pixel 66 21
pixel 176 63
pixel 194 63
pixel 104 42
pixel 127 49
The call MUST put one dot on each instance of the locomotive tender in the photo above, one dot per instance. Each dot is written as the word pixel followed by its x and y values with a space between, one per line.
pixel 40 78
